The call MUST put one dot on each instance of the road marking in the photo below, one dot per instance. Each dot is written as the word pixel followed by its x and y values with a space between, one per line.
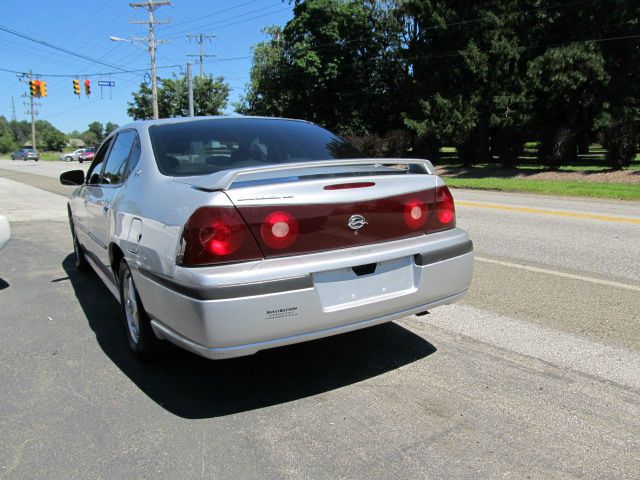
pixel 565 350
pixel 557 213
pixel 598 281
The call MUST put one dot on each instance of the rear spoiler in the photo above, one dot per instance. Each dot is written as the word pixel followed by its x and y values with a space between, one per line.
pixel 224 179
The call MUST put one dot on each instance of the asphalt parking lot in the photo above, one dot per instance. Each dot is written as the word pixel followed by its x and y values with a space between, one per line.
pixel 535 375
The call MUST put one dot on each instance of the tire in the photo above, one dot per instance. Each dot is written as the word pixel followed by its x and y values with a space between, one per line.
pixel 143 343
pixel 80 160
pixel 81 260
pixel 68 159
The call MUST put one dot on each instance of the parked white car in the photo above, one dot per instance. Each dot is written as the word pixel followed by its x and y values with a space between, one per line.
pixel 5 230
pixel 227 236
pixel 71 156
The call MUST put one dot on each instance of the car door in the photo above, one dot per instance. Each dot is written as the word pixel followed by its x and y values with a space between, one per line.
pixel 101 195
pixel 90 202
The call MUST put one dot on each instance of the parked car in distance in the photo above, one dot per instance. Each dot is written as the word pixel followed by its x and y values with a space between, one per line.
pixel 227 236
pixel 72 156
pixel 87 155
pixel 25 154
pixel 5 231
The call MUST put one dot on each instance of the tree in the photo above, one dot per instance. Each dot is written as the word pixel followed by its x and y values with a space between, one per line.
pixel 618 123
pixel 90 138
pixel 210 96
pixel 97 130
pixel 49 137
pixel 54 140
pixel 482 76
pixel 566 83
pixel 109 127
pixel 265 95
pixel 332 64
pixel 7 144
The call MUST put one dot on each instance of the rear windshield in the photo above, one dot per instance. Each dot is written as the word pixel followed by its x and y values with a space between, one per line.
pixel 207 146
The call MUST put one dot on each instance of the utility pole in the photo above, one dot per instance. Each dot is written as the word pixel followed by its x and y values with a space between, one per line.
pixel 13 110
pixel 200 38
pixel 33 119
pixel 151 5
pixel 22 77
pixel 190 83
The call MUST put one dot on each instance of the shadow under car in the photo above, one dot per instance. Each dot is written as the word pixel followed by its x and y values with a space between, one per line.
pixel 193 387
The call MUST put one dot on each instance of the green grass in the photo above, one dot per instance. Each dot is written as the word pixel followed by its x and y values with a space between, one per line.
pixel 49 156
pixel 592 161
pixel 621 191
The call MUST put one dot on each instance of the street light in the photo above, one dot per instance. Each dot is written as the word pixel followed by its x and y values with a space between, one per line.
pixel 152 54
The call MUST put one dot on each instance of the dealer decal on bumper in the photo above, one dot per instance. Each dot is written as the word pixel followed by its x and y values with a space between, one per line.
pixel 281 313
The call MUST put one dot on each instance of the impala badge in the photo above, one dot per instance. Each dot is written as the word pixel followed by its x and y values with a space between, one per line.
pixel 356 222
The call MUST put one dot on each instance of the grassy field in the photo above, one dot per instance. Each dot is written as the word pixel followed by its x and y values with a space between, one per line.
pixel 620 191
pixel 49 156
pixel 494 177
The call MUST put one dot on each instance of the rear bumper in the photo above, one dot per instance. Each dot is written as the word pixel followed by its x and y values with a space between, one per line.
pixel 236 310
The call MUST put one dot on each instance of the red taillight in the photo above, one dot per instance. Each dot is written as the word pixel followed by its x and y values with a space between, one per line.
pixel 217 235
pixel 279 230
pixel 415 214
pixel 444 215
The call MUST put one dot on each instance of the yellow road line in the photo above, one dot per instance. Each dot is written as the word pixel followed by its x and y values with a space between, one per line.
pixel 557 213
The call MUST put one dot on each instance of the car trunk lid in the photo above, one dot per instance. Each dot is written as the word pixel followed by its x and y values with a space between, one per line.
pixel 309 208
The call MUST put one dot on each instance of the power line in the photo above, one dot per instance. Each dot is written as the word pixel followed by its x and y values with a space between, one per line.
pixel 95 74
pixel 223 22
pixel 246 57
pixel 55 47
pixel 218 12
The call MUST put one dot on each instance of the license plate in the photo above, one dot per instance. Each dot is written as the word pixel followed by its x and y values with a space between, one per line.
pixel 344 288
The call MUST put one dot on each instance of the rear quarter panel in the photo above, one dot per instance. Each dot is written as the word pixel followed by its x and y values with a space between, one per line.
pixel 149 212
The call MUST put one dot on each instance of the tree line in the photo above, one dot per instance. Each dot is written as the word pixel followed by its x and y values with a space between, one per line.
pixel 15 134
pixel 407 77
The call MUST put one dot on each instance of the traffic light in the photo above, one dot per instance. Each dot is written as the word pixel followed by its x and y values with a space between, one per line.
pixel 43 88
pixel 87 87
pixel 37 84
pixel 33 88
pixel 76 86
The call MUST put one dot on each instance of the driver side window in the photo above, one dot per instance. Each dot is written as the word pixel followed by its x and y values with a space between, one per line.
pixel 93 175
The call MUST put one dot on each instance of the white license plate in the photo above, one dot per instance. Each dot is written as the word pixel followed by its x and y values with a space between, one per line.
pixel 344 288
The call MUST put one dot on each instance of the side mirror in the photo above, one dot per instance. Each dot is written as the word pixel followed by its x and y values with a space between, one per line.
pixel 72 177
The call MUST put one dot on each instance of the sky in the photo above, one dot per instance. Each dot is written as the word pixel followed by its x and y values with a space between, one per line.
pixel 83 29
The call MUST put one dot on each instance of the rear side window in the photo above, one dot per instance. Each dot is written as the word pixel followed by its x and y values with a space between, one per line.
pixel 201 147
pixel 115 170
pixel 93 175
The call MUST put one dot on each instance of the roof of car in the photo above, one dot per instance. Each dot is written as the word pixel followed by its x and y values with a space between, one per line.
pixel 164 121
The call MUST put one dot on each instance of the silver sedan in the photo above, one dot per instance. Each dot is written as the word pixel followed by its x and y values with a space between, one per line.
pixel 227 236
pixel 71 156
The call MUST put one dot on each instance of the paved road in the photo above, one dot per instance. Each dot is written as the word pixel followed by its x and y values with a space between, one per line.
pixel 535 375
